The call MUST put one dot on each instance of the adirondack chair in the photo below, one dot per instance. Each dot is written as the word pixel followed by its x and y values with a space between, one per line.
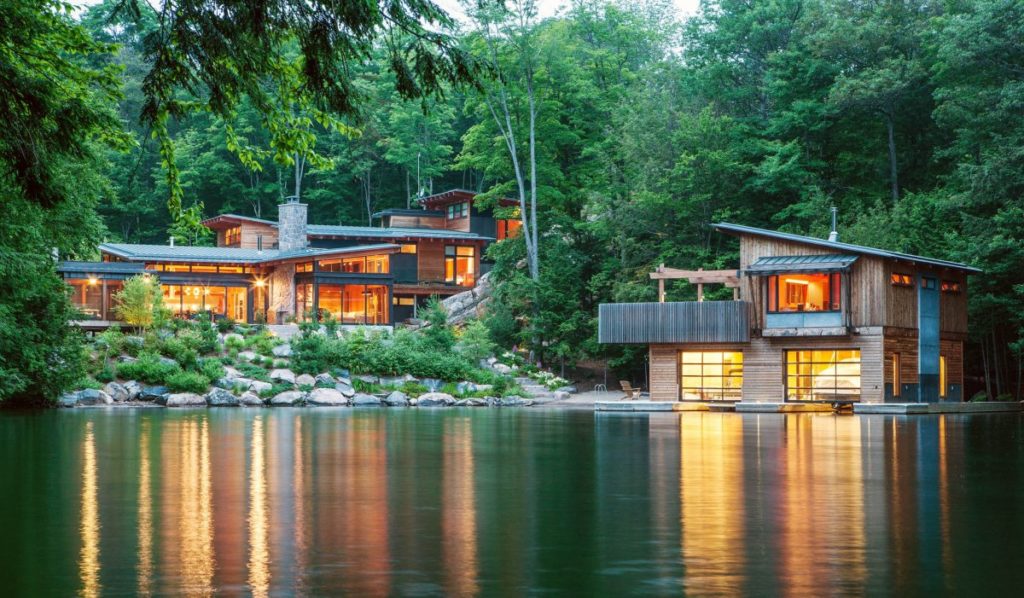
pixel 632 393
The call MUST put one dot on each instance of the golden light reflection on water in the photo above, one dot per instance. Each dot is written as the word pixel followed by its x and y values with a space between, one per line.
pixel 145 514
pixel 711 510
pixel 89 555
pixel 186 465
pixel 822 514
pixel 299 499
pixel 365 493
pixel 259 547
pixel 459 541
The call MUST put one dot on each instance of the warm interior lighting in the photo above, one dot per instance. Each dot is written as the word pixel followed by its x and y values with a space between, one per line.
pixel 260 283
pixel 804 292
pixel 93 281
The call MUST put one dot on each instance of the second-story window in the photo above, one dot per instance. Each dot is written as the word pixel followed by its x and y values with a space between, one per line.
pixel 460 265
pixel 458 210
pixel 233 237
pixel 901 280
pixel 508 228
pixel 804 292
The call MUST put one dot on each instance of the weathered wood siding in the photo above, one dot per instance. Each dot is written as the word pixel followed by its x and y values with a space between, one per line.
pixel 673 322
pixel 865 300
pixel 430 255
pixel 460 224
pixel 901 301
pixel 417 222
pixel 764 363
pixel 905 343
pixel 251 232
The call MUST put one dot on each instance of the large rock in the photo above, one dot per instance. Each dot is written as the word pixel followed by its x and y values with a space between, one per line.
pixel 435 399
pixel 227 382
pixel 325 380
pixel 569 389
pixel 284 350
pixel 260 387
pixel 91 396
pixel 283 375
pixel 154 393
pixel 561 395
pixel 305 380
pixel 68 399
pixel 468 304
pixel 392 380
pixel 247 355
pixel 289 398
pixel 475 402
pixel 218 397
pixel 185 399
pixel 117 392
pixel 232 372
pixel 365 400
pixel 396 399
pixel 501 368
pixel 514 401
pixel 432 383
pixel 326 397
pixel 250 399
pixel 344 386
pixel 134 389
pixel 368 379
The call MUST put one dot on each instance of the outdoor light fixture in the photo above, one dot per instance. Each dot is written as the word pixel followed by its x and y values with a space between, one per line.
pixel 93 281
pixel 260 283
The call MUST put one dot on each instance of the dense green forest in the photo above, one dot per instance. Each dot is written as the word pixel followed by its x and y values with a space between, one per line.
pixel 623 129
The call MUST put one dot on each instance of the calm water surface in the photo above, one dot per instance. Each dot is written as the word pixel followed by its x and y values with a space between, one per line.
pixel 505 502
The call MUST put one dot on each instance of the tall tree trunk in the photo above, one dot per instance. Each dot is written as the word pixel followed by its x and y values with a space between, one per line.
pixel 893 169
pixel 985 367
pixel 997 365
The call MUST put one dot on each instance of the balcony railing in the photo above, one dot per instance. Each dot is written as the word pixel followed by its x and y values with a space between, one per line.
pixel 679 322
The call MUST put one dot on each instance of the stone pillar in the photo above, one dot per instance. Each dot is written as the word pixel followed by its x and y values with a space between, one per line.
pixel 282 293
pixel 291 226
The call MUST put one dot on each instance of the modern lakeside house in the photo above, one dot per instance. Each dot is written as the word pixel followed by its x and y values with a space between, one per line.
pixel 261 270
pixel 812 320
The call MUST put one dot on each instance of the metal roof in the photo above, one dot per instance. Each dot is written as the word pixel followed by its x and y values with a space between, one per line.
pixel 409 212
pixel 100 267
pixel 239 217
pixel 327 230
pixel 778 264
pixel 234 255
pixel 846 247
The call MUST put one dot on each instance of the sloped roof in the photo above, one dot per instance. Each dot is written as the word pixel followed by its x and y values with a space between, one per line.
pixel 233 255
pixel 778 264
pixel 327 230
pixel 739 229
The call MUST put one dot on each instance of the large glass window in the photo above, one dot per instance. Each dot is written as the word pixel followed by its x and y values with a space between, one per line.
pixel 804 292
pixel 460 265
pixel 354 303
pixel 303 300
pixel 374 264
pixel 508 228
pixel 829 375
pixel 710 375
pixel 233 237
pixel 943 380
pixel 87 296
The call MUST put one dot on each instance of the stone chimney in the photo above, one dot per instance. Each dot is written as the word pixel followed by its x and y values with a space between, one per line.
pixel 291 225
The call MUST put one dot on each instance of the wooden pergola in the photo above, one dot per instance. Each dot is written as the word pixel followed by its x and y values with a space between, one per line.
pixel 699 277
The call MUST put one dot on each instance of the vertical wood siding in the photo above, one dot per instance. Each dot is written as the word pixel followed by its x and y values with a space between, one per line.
pixel 417 222
pixel 430 255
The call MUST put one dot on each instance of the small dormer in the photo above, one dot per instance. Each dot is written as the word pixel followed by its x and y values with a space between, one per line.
pixel 243 232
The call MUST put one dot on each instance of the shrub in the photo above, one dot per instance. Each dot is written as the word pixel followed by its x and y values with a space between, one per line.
pixel 475 343
pixel 253 371
pixel 414 389
pixel 225 325
pixel 188 382
pixel 88 382
pixel 211 368
pixel 234 343
pixel 111 341
pixel 140 302
pixel 147 368
pixel 438 334
pixel 276 390
pixel 106 374
pixel 177 349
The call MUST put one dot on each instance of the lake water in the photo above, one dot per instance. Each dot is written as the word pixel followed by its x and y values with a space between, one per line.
pixel 506 502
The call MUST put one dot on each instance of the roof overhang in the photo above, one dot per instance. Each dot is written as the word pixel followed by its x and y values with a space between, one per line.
pixel 916 260
pixel 788 264
pixel 439 200
pixel 223 221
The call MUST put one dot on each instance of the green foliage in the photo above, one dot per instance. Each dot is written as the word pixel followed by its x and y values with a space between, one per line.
pixel 140 302
pixel 211 368
pixel 187 382
pixel 225 325
pixel 438 334
pixel 147 368
pixel 475 342
pixel 253 371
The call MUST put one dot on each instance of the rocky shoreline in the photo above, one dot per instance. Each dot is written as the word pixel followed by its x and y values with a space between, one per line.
pixel 323 390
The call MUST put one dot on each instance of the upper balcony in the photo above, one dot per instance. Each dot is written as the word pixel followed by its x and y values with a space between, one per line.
pixel 677 322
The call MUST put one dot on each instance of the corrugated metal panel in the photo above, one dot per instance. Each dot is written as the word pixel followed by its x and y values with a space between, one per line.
pixel 780 264
pixel 681 322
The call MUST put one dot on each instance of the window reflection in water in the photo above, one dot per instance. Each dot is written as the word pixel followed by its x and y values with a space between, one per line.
pixel 145 514
pixel 259 550
pixel 458 534
pixel 711 494
pixel 89 555
pixel 187 504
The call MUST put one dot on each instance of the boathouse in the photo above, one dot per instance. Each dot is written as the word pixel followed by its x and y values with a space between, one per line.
pixel 812 320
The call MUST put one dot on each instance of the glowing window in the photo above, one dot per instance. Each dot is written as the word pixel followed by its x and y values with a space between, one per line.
pixel 304 267
pixel 896 382
pixel 460 265
pixel 409 248
pixel 901 280
pixel 804 292
pixel 204 269
pixel 942 376
pixel 710 375
pixel 508 228
pixel 830 375
pixel 233 237
pixel 951 287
